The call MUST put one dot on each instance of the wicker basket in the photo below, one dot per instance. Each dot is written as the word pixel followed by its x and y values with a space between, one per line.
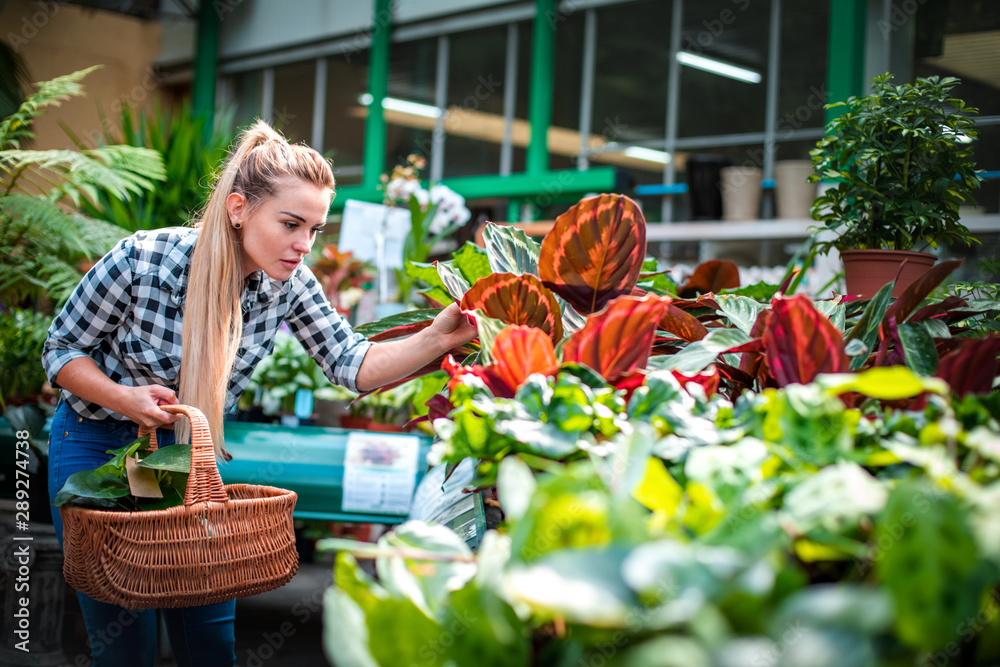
pixel 224 542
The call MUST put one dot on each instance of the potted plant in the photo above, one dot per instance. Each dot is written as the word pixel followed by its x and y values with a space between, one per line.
pixel 285 383
pixel 435 214
pixel 900 160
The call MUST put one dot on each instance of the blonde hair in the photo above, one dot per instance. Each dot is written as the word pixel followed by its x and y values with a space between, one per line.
pixel 213 318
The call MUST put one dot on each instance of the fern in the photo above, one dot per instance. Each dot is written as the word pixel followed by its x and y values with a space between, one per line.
pixel 43 236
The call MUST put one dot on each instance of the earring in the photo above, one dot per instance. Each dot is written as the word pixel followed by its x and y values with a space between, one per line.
pixel 237 225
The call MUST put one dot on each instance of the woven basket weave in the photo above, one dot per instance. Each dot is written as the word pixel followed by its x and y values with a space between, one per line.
pixel 224 542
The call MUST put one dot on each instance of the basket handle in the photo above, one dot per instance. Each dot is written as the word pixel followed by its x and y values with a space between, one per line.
pixel 204 483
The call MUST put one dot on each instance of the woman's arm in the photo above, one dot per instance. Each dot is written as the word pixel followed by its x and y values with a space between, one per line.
pixel 393 360
pixel 82 377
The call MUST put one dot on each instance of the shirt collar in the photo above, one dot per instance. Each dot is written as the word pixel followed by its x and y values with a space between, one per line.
pixel 173 272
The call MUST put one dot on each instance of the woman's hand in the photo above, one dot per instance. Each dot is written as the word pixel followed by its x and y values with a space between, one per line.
pixel 142 405
pixel 452 328
pixel 82 377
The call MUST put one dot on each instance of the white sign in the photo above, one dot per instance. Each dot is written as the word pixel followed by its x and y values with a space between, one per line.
pixel 380 471
pixel 363 222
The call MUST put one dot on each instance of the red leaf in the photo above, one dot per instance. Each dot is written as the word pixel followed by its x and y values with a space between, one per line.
pixel 400 331
pixel 430 301
pixel 438 407
pixel 711 276
pixel 594 251
pixel 940 310
pixel 801 343
pixel 752 360
pixel 498 387
pixel 520 351
pixel 516 300
pixel 917 291
pixel 708 379
pixel 972 366
pixel 616 341
pixel 683 325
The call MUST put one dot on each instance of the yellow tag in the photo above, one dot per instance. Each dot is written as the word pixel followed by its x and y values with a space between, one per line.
pixel 141 481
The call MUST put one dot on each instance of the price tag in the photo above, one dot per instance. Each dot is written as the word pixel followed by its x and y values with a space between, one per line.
pixel 141 481
pixel 380 473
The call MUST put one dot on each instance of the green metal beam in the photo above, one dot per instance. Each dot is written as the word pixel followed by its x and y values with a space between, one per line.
pixel 546 187
pixel 845 63
pixel 378 85
pixel 540 95
pixel 206 60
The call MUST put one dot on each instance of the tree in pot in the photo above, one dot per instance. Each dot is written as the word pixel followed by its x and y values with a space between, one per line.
pixel 900 160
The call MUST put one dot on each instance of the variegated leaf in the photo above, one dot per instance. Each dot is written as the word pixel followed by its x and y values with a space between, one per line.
pixel 510 250
pixel 516 300
pixel 594 251
pixel 488 328
pixel 617 341
pixel 453 280
pixel 683 325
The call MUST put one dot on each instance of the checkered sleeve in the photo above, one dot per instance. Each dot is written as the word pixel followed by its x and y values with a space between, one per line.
pixel 95 309
pixel 325 335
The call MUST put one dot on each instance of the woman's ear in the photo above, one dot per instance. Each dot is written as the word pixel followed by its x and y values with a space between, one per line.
pixel 236 207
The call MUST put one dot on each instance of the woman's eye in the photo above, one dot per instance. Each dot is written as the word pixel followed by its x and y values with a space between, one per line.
pixel 291 226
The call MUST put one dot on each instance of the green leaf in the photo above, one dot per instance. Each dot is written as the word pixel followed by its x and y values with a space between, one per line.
pixel 515 486
pixel 453 280
pixel 345 633
pixel 510 250
pixel 835 499
pixel 924 536
pixel 845 606
pixel 698 355
pixel 427 586
pixel 582 585
pixel 918 348
pixel 89 484
pixel 486 630
pixel 741 311
pixel 176 458
pixel 472 262
pixel 866 329
pixel 890 383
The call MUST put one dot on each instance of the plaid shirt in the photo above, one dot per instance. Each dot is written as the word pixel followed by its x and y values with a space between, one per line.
pixel 126 315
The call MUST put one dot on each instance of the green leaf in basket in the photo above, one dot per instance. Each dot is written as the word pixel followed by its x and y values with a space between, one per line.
pixel 128 450
pixel 88 484
pixel 171 498
pixel 176 458
pixel 177 481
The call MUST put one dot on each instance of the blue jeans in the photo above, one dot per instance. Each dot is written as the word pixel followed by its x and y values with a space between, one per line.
pixel 122 637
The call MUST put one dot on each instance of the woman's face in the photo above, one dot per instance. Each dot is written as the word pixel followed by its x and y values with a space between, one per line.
pixel 280 232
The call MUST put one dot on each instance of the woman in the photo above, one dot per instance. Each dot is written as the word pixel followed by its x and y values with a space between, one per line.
pixel 218 292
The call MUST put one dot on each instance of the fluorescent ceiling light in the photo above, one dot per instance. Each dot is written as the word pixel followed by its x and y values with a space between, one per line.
pixel 648 154
pixel 404 106
pixel 718 67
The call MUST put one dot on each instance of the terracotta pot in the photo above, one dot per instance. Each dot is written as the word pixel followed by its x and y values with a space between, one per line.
pixel 355 423
pixel 368 424
pixel 867 271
